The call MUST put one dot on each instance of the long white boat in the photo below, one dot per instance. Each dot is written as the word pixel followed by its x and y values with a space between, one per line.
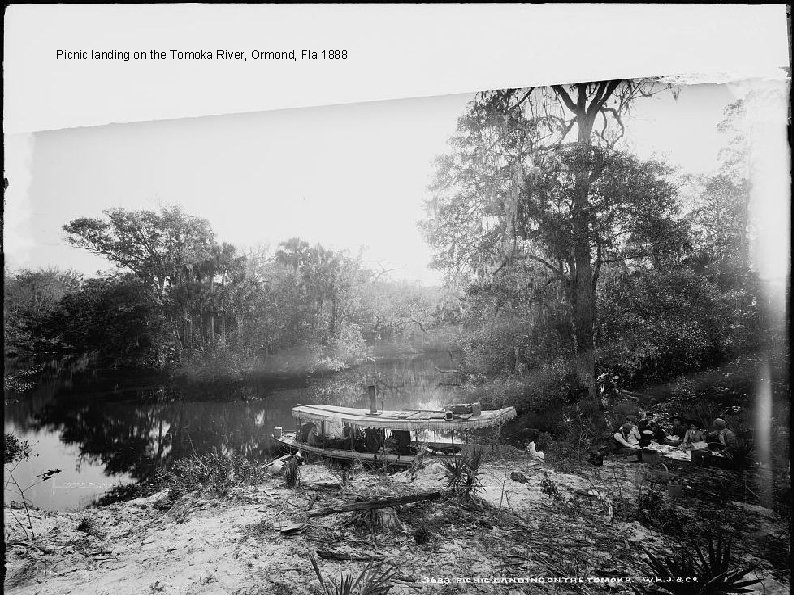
pixel 417 422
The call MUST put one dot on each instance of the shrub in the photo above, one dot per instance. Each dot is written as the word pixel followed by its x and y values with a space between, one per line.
pixel 549 488
pixel 712 565
pixel 375 579
pixel 89 526
pixel 422 535
pixel 463 474
pixel 14 449
pixel 214 473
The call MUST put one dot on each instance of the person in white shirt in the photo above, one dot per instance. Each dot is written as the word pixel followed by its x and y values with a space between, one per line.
pixel 628 436
pixel 692 438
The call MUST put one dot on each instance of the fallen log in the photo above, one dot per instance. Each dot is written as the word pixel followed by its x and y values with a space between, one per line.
pixel 373 504
pixel 290 528
pixel 331 555
pixel 323 485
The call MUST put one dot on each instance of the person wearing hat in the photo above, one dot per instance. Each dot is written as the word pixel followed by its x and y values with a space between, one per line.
pixel 724 434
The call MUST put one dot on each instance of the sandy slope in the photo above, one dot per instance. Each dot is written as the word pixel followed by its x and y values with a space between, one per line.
pixel 233 545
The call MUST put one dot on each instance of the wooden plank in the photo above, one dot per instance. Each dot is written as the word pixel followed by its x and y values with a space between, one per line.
pixel 373 504
pixel 331 555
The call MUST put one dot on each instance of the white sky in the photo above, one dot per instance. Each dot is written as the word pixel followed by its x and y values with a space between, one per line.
pixel 347 176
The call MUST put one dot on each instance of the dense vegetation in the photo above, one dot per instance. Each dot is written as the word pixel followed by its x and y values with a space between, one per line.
pixel 571 267
pixel 182 301
pixel 556 245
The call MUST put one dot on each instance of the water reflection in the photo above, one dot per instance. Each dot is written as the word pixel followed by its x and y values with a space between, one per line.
pixel 104 429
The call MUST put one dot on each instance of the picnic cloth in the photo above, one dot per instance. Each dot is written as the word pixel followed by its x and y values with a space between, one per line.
pixel 671 452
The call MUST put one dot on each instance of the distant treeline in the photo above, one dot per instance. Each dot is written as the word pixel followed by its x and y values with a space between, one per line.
pixel 181 300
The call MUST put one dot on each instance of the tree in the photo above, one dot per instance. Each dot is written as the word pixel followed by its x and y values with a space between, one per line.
pixel 506 138
pixel 157 247
pixel 28 296
pixel 115 319
pixel 657 324
pixel 720 222
pixel 508 142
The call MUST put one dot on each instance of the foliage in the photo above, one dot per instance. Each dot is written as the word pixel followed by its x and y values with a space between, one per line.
pixel 658 324
pixel 375 579
pixel 513 190
pixel 655 512
pixel 114 317
pixel 156 247
pixel 742 455
pixel 14 449
pixel 663 282
pixel 463 474
pixel 89 526
pixel 712 565
pixel 214 473
pixel 403 311
pixel 422 535
pixel 549 488
pixel 27 296
pixel 184 301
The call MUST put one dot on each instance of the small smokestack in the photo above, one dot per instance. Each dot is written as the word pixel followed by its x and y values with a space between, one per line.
pixel 372 406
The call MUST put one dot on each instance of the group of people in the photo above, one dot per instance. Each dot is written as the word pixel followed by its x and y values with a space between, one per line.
pixel 371 440
pixel 685 436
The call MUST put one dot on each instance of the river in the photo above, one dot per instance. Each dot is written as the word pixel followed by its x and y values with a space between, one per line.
pixel 102 429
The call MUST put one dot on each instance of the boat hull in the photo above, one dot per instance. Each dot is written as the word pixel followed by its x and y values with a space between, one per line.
pixel 290 441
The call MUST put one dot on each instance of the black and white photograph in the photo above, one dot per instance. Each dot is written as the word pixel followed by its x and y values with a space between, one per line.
pixel 529 337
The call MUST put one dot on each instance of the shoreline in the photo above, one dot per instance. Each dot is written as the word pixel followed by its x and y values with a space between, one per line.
pixel 539 523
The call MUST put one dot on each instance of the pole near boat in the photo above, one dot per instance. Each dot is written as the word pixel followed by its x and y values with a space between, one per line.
pixel 373 407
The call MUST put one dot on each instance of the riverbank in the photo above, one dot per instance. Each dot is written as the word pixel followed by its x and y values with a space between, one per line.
pixel 526 520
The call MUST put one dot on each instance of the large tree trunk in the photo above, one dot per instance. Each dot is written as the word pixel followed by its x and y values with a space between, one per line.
pixel 583 291
pixel 334 314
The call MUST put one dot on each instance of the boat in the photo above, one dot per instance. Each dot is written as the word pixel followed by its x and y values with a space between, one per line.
pixel 408 428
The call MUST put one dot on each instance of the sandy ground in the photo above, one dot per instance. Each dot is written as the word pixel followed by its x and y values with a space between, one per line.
pixel 233 545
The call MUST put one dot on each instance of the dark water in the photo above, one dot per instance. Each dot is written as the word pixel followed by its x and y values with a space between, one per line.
pixel 102 429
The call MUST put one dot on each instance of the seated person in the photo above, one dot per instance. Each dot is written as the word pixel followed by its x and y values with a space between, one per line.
pixel 308 434
pixel 402 439
pixel 692 437
pixel 627 437
pixel 651 431
pixel 726 437
pixel 353 433
pixel 659 435
pixel 374 439
pixel 445 450
pixel 678 431
pixel 646 435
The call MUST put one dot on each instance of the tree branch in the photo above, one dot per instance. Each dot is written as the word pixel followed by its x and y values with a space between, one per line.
pixel 597 265
pixel 522 100
pixel 618 119
pixel 563 94
pixel 550 266
pixel 601 98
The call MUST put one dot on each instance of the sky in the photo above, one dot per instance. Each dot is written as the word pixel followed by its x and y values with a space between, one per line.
pixel 350 177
